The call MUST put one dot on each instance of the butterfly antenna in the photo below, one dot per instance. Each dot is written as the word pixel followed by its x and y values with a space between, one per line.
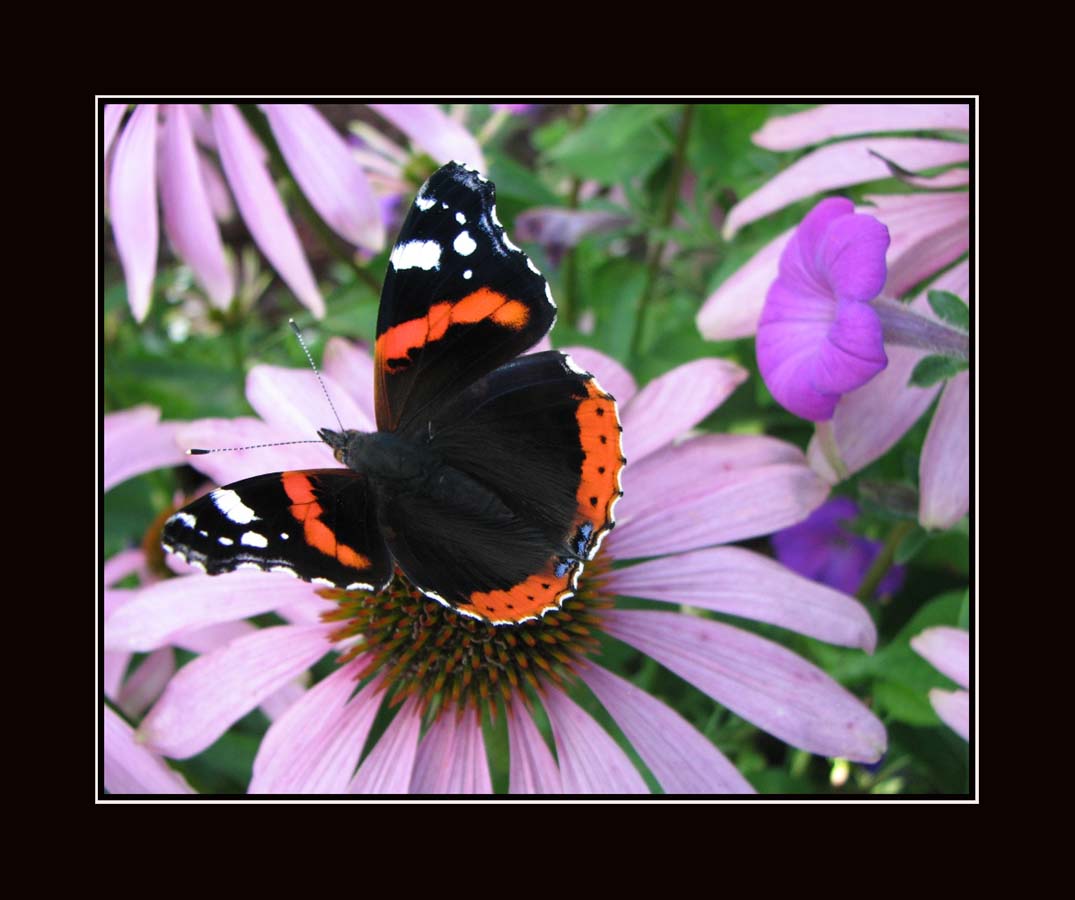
pixel 313 366
pixel 197 451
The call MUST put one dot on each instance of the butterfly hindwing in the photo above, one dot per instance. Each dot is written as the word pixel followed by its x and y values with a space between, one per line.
pixel 319 525
pixel 459 300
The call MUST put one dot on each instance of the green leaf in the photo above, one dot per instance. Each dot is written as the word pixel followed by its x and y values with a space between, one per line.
pixel 964 612
pixel 904 704
pixel 950 308
pixel 933 369
pixel 619 143
pixel 908 548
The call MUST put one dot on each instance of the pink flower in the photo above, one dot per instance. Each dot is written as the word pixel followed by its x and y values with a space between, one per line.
pixel 169 147
pixel 929 231
pixel 682 501
pixel 948 651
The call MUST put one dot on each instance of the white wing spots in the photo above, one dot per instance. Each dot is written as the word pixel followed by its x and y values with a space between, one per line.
pixel 250 565
pixel 493 216
pixel 229 503
pixel 464 244
pixel 416 255
pixel 574 367
pixel 203 532
pixel 200 566
pixel 444 206
pixel 507 243
pixel 186 518
pixel 284 535
pixel 225 541
pixel 253 539
pixel 533 268
pixel 460 218
pixel 287 570
pixel 323 581
pixel 548 294
pixel 468 274
pixel 358 586
pixel 424 203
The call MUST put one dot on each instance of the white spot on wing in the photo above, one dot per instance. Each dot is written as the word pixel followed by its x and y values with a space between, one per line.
pixel 284 535
pixel 287 570
pixel 250 565
pixel 359 586
pixel 532 267
pixel 229 503
pixel 424 203
pixel 468 274
pixel 507 241
pixel 186 518
pixel 416 255
pixel 253 539
pixel 225 541
pixel 444 206
pixel 323 581
pixel 464 244
pixel 460 218
pixel 574 366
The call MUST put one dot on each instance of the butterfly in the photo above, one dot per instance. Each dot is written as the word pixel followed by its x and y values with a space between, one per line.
pixel 493 475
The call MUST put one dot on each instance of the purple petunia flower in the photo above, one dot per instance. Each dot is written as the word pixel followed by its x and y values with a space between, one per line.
pixel 822 550
pixel 948 651
pixel 818 338
pixel 929 231
pixel 683 500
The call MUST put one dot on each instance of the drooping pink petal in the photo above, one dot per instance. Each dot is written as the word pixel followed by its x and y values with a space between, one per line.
pixel 115 667
pixel 842 165
pixel 207 695
pixel 434 132
pixel 124 563
pixel 216 189
pixel 205 640
pixel 669 406
pixel 390 765
pixel 135 442
pixel 954 709
pixel 130 768
pixel 740 583
pixel 113 116
pixel 451 758
pixel 610 373
pixel 147 682
pixel 757 679
pixel 132 197
pixel 261 206
pixel 533 769
pixel 351 367
pixel 202 126
pixel 947 650
pixel 278 703
pixel 165 609
pixel 929 231
pixel 870 420
pixel 681 759
pixel 591 762
pixel 944 469
pixel 315 746
pixel 814 126
pixel 329 175
pixel 293 403
pixel 188 213
pixel 712 490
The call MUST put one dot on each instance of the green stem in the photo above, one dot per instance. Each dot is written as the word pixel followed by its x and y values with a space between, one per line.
pixel 668 211
pixel 577 117
pixel 883 563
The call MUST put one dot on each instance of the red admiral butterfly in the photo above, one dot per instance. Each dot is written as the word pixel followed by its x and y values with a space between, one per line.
pixel 492 477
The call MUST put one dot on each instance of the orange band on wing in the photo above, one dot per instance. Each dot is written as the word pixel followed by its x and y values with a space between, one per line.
pixel 401 339
pixel 306 509
pixel 599 434
pixel 526 600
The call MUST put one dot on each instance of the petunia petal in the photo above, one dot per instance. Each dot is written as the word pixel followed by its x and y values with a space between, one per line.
pixel 451 758
pixel 351 367
pixel 870 420
pixel 165 609
pixel 947 650
pixel 712 490
pixel 130 768
pixel 188 213
pixel 132 197
pixel 842 165
pixel 207 695
pixel 432 131
pixel 147 682
pixel 390 765
pixel 591 762
pixel 669 406
pixel 954 709
pixel 315 746
pixel 740 583
pixel 761 681
pixel 293 403
pixel 814 126
pixel 852 256
pixel 261 206
pixel 681 759
pixel 329 175
pixel 135 442
pixel 610 373
pixel 533 769
pixel 944 469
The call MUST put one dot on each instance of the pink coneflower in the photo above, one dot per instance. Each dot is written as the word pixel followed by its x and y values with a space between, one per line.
pixel 929 229
pixel 948 651
pixel 442 673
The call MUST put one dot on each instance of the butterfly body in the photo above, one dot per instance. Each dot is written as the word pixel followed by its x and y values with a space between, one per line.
pixel 493 474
